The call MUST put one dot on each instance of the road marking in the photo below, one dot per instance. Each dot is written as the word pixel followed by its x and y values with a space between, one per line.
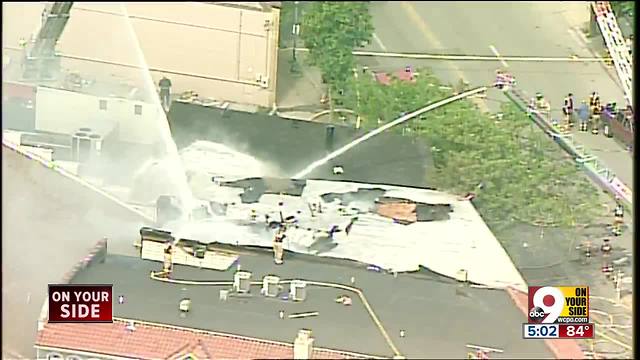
pixel 572 59
pixel 497 54
pixel 430 36
pixel 379 42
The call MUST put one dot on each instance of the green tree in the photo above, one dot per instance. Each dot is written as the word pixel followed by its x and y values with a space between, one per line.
pixel 524 174
pixel 331 30
pixel 623 7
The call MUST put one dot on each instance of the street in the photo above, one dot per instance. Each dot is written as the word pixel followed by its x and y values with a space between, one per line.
pixel 536 29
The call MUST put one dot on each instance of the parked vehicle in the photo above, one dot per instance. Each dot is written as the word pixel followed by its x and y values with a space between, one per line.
pixel 619 125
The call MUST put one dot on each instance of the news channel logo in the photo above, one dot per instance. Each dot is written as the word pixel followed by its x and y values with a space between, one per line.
pixel 72 303
pixel 558 304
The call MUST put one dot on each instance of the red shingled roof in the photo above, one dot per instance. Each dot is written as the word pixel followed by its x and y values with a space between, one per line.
pixel 155 341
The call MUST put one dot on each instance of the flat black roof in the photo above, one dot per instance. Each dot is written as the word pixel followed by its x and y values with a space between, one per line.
pixel 438 317
pixel 291 145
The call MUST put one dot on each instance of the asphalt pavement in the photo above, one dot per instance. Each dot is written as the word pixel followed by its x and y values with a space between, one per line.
pixel 536 29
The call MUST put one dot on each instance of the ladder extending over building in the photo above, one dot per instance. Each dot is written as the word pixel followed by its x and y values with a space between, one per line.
pixel 40 59
pixel 616 45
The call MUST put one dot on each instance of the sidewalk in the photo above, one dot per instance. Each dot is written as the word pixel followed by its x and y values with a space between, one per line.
pixel 299 93
pixel 611 153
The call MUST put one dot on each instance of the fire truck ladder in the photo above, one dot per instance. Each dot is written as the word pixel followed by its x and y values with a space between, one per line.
pixel 41 61
pixel 618 49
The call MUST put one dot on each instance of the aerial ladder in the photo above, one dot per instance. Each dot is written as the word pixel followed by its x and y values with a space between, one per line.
pixel 616 45
pixel 40 59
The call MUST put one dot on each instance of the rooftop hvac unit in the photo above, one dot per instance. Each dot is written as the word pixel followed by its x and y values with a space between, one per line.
pixel 185 305
pixel 96 146
pixel 80 146
pixel 242 281
pixel 270 285
pixel 298 290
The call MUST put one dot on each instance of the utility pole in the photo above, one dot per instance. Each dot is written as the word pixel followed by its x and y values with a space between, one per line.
pixel 355 75
pixel 295 32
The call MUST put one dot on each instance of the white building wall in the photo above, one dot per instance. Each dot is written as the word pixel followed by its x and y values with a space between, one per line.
pixel 53 115
pixel 218 51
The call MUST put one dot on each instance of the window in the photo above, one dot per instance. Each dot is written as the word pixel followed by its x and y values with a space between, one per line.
pixel 103 104
pixel 54 356
pixel 137 109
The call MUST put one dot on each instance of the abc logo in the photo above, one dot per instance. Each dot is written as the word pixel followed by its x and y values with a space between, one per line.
pixel 546 305
pixel 537 314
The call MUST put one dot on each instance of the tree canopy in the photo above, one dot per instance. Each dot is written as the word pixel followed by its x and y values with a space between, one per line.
pixel 331 30
pixel 524 174
pixel 623 7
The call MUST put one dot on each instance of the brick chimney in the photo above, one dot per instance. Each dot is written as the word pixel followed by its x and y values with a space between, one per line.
pixel 303 345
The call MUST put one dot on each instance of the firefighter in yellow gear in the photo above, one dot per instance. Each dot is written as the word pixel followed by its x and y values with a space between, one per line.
pixel 567 110
pixel 605 249
pixel 278 246
pixel 167 266
pixel 595 119
pixel 596 110
pixel 542 106
pixel 594 100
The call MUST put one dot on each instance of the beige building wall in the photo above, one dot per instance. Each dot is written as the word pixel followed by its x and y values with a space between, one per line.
pixel 225 52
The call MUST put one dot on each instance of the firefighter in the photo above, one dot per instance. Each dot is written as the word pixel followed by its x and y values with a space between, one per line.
pixel 501 80
pixel 567 110
pixel 596 113
pixel 278 247
pixel 165 92
pixel 593 98
pixel 542 106
pixel 583 114
pixel 168 259
pixel 587 249
pixel 605 249
pixel 618 214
